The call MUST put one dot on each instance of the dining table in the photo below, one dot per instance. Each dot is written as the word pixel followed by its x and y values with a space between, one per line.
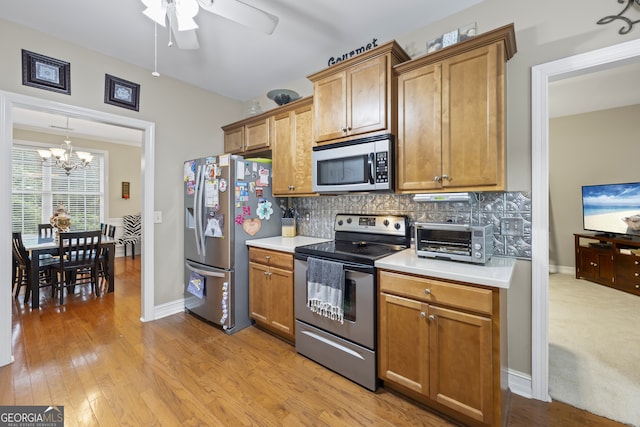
pixel 37 245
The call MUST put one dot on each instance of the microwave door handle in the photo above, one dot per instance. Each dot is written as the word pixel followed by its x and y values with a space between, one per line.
pixel 372 165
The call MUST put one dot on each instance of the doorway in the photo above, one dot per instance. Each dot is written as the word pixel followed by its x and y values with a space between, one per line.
pixel 541 75
pixel 7 102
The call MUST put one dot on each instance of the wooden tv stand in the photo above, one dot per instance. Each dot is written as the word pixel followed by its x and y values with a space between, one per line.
pixel 609 261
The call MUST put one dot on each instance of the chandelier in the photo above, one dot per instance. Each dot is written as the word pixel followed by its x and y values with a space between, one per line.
pixel 62 156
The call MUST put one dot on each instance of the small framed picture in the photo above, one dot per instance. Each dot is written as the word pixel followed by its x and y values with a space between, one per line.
pixel 120 92
pixel 46 73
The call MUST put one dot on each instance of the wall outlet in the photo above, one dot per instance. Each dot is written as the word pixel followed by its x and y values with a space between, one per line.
pixel 512 226
pixel 157 217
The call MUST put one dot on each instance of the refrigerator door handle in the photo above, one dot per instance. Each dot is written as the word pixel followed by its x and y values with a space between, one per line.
pixel 196 206
pixel 203 272
pixel 206 171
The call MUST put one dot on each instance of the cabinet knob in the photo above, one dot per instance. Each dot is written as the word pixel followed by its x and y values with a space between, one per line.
pixel 436 178
pixel 432 317
pixel 636 262
pixel 423 314
pixel 637 286
pixel 636 274
pixel 427 291
pixel 445 176
pixel 344 129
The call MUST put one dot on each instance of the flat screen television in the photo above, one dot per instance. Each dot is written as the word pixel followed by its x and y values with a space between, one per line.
pixel 612 209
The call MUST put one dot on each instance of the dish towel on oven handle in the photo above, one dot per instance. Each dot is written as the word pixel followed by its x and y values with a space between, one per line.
pixel 325 288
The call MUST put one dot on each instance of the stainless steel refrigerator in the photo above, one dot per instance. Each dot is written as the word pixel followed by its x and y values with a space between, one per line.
pixel 227 201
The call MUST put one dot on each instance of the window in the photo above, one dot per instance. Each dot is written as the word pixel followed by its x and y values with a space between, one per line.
pixel 37 190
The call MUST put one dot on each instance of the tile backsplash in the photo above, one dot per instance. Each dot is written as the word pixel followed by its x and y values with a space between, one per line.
pixel 316 214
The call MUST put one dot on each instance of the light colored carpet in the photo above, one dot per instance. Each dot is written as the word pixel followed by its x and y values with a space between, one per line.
pixel 594 348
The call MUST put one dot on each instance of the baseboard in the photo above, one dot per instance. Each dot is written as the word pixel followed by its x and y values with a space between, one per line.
pixel 562 269
pixel 168 309
pixel 520 384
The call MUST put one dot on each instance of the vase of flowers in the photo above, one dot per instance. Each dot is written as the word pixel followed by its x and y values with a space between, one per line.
pixel 60 220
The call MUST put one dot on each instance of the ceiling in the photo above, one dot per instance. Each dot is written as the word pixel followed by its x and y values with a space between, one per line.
pixel 233 60
pixel 242 63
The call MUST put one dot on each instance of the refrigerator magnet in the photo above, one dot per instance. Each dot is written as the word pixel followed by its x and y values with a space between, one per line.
pixel 222 185
pixel 263 181
pixel 259 192
pixel 251 226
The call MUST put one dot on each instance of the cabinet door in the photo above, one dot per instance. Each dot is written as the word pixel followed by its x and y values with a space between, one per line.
pixel 461 362
pixel 283 154
pixel 281 316
pixel 330 105
pixel 367 96
pixel 258 291
pixel 256 135
pixel 234 140
pixel 472 118
pixel 403 345
pixel 303 141
pixel 292 141
pixel 419 145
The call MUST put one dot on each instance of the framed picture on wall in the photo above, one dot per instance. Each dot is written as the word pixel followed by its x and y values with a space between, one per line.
pixel 46 73
pixel 121 93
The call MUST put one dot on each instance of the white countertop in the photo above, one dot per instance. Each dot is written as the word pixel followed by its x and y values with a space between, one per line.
pixel 496 272
pixel 284 244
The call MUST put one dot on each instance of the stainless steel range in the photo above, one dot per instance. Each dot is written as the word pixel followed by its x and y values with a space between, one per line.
pixel 347 347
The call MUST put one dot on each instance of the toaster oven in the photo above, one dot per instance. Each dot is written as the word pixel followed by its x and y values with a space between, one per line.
pixel 454 242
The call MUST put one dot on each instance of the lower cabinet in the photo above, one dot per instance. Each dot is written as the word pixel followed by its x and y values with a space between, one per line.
pixel 439 343
pixel 271 291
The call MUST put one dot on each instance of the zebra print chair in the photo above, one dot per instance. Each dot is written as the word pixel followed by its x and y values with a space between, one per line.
pixel 131 233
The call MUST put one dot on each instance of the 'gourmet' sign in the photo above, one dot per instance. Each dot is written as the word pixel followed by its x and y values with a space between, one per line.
pixel 333 60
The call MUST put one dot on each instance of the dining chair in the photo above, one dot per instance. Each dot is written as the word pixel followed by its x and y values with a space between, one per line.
pixel 78 264
pixel 103 270
pixel 103 228
pixel 23 262
pixel 45 231
pixel 131 233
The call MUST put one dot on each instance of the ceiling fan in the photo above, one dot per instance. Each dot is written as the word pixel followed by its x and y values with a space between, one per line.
pixel 180 14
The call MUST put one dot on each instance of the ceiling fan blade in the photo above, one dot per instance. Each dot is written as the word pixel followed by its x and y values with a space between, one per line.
pixel 185 38
pixel 156 11
pixel 242 13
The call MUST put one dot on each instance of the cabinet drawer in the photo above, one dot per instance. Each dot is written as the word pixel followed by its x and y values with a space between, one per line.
pixel 436 292
pixel 272 258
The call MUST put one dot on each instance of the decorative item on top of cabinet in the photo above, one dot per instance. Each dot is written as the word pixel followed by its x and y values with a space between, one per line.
pixel 357 96
pixel 451 121
pixel 444 345
pixel 291 142
pixel 248 135
pixel 271 291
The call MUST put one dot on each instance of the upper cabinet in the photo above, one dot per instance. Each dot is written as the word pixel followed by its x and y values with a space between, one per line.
pixel 357 96
pixel 248 135
pixel 291 142
pixel 451 116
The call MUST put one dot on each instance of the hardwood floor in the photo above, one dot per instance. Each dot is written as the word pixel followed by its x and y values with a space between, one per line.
pixel 94 357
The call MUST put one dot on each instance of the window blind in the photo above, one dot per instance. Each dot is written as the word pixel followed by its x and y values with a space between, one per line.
pixel 37 190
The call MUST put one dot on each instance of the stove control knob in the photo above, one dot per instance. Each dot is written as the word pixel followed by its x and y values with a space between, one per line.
pixel 477 246
pixel 349 220
pixel 397 226
pixel 340 222
pixel 386 222
pixel 478 255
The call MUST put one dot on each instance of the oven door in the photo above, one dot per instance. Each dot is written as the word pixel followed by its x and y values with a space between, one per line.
pixel 359 304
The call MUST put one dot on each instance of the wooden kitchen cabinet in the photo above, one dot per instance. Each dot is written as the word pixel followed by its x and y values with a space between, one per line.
pixel 271 291
pixel 357 96
pixel 451 116
pixel 291 142
pixel 248 135
pixel 441 343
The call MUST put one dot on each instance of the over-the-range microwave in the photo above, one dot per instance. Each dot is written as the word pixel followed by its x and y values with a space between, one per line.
pixel 364 164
